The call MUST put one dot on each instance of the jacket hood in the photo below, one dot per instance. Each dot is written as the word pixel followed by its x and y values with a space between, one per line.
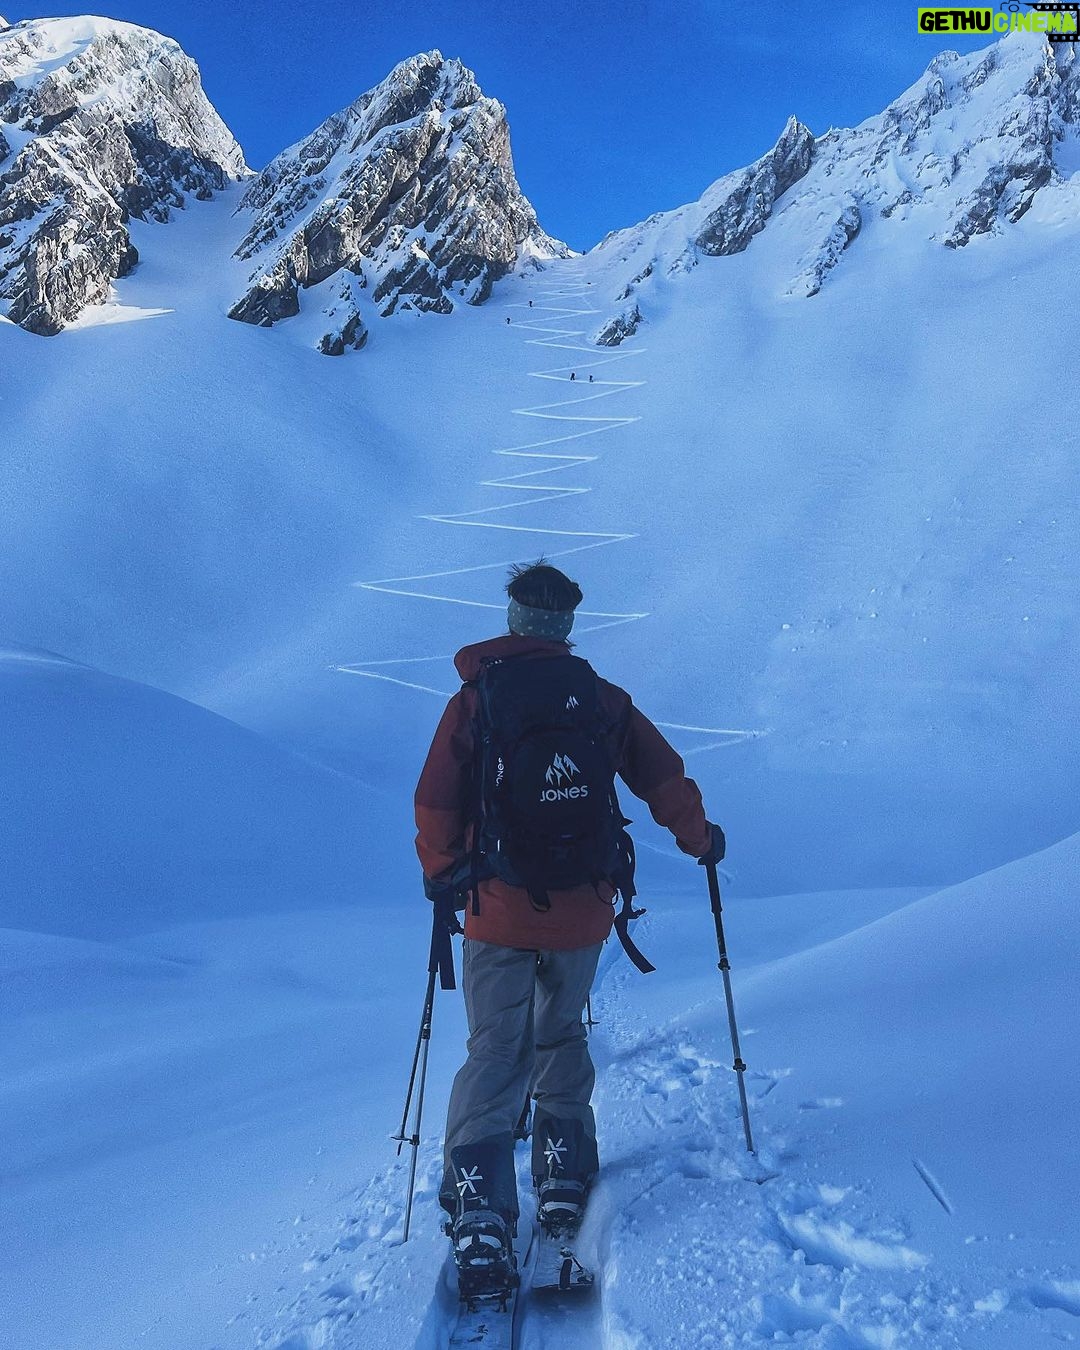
pixel 469 659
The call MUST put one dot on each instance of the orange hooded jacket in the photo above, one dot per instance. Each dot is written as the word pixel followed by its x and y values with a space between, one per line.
pixel 643 759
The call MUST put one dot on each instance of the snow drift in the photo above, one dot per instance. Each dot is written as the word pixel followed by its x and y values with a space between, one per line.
pixel 127 809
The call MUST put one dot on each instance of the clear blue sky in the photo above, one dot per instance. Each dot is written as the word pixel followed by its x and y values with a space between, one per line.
pixel 616 109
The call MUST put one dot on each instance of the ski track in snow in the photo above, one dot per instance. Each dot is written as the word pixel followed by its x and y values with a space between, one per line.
pixel 697 1244
pixel 563 304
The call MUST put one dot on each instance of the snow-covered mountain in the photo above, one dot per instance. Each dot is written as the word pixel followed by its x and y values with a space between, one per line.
pixel 961 153
pixel 884 527
pixel 407 195
pixel 406 199
pixel 100 121
pixel 827 542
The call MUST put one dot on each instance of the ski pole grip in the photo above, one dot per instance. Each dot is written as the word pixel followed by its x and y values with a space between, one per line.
pixel 441 955
pixel 714 886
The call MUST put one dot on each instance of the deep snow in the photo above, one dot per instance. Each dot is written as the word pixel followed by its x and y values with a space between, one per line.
pixel 196 1128
pixel 827 543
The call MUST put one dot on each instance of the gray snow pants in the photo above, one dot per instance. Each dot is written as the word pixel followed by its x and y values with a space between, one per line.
pixel 525 1036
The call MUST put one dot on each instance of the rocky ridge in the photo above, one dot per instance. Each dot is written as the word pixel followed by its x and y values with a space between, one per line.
pixel 100 121
pixel 962 153
pixel 407 198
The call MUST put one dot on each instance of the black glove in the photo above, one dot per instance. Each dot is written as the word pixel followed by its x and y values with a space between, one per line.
pixel 717 848
pixel 445 900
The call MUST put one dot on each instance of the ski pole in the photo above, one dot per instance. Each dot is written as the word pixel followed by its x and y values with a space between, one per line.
pixel 590 1021
pixel 420 1061
pixel 440 963
pixel 725 970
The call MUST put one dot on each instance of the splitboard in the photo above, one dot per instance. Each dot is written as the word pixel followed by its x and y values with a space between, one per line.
pixel 557 1269
pixel 490 1321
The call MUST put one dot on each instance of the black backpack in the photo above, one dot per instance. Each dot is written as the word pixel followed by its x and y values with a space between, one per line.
pixel 549 818
pixel 547 814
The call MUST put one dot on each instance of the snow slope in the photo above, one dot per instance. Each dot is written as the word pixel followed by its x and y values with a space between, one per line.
pixel 127 809
pixel 187 953
pixel 909 1090
pixel 826 540
pixel 912 1105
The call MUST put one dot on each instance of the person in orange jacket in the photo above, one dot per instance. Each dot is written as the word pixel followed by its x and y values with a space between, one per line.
pixel 531 951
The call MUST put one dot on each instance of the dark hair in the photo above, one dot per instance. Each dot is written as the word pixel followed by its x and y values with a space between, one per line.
pixel 540 586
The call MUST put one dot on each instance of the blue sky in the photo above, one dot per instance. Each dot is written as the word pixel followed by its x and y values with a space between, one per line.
pixel 616 110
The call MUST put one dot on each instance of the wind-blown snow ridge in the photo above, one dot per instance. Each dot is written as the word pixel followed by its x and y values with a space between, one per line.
pixel 564 304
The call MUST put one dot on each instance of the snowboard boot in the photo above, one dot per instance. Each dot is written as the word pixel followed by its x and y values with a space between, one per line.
pixel 564 1165
pixel 484 1223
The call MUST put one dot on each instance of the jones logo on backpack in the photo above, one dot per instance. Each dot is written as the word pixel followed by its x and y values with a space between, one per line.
pixel 562 771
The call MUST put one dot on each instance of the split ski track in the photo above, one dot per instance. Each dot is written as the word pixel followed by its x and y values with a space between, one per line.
pixel 695 1243
pixel 582 414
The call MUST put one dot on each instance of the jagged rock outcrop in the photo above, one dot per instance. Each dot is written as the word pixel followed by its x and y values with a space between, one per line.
pixel 739 204
pixel 103 121
pixel 413 185
pixel 619 328
pixel 823 257
pixel 345 322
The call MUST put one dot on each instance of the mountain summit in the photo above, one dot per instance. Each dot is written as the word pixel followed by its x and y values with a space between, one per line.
pixel 99 121
pixel 408 194
pixel 963 152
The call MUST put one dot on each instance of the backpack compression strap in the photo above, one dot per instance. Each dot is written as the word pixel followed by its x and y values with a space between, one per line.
pixel 635 954
pixel 627 891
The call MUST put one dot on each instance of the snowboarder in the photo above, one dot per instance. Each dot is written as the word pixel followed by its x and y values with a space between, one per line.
pixel 530 304
pixel 533 730
pixel 573 374
pixel 590 379
pixel 508 318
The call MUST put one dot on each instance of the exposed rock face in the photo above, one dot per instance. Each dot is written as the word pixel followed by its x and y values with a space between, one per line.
pixel 962 153
pixel 619 328
pixel 823 257
pixel 412 185
pixel 744 200
pixel 346 324
pixel 723 222
pixel 99 121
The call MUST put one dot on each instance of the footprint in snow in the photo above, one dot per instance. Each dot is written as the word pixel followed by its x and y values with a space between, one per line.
pixel 834 1242
pixel 1062 1295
